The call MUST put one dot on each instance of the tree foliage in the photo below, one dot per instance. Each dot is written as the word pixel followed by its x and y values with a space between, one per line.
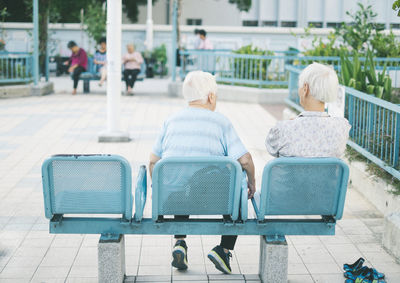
pixel 95 21
pixel 242 5
pixel 396 7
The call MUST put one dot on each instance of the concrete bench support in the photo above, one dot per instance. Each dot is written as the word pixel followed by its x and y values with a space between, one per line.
pixel 111 257
pixel 273 259
pixel 391 234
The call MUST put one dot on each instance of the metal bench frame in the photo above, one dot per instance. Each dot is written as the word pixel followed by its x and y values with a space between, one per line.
pixel 273 230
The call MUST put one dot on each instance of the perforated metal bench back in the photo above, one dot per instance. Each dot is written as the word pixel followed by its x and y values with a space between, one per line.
pixel 304 186
pixel 87 184
pixel 196 186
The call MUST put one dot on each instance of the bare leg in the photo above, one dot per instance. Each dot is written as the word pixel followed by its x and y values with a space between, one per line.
pixel 103 75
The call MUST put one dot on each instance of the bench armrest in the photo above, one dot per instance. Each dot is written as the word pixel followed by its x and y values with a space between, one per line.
pixel 140 193
pixel 253 201
pixel 243 198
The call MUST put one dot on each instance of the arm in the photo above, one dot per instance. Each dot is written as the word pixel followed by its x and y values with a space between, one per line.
pixel 273 141
pixel 153 160
pixel 246 161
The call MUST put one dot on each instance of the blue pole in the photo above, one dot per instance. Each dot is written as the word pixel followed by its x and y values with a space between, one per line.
pixel 174 38
pixel 35 42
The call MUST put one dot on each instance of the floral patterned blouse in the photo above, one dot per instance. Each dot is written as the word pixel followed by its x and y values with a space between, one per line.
pixel 311 134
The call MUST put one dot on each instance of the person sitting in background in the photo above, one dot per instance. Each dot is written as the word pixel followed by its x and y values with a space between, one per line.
pixel 77 62
pixel 100 60
pixel 205 43
pixel 199 131
pixel 132 62
pixel 313 133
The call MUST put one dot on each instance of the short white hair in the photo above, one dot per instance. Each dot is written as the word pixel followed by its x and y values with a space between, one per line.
pixel 198 85
pixel 322 82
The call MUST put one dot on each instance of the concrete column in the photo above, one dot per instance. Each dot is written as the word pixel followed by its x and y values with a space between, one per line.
pixel 149 25
pixel 111 258
pixel 35 42
pixel 391 234
pixel 273 264
pixel 114 19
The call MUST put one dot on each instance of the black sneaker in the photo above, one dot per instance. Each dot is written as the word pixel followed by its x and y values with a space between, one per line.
pixel 220 259
pixel 179 255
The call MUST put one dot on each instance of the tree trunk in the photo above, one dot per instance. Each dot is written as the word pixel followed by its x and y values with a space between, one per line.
pixel 43 28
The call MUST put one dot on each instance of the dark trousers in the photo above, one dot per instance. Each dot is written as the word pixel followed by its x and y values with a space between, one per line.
pixel 227 241
pixel 130 77
pixel 76 74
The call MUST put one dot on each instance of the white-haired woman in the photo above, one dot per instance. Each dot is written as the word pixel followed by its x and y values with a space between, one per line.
pixel 199 131
pixel 313 133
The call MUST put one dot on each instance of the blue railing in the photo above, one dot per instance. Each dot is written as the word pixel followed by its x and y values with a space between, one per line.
pixel 253 70
pixel 375 124
pixel 260 70
pixel 16 67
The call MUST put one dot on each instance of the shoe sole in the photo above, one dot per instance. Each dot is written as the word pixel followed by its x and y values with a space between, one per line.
pixel 179 259
pixel 218 262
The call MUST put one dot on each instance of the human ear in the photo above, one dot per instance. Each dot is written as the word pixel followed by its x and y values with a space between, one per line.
pixel 306 89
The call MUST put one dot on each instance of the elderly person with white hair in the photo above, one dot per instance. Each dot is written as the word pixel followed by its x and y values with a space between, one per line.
pixel 313 133
pixel 198 130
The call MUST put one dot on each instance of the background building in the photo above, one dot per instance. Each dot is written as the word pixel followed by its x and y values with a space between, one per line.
pixel 272 13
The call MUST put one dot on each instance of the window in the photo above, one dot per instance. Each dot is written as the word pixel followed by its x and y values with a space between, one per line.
pixel 395 26
pixel 269 24
pixel 379 26
pixel 193 22
pixel 315 24
pixel 289 24
pixel 250 23
pixel 333 25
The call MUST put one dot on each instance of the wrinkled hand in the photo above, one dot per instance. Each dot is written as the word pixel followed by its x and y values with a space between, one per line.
pixel 252 190
pixel 66 63
pixel 70 70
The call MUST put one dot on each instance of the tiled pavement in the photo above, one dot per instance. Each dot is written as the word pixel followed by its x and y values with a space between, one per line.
pixel 34 128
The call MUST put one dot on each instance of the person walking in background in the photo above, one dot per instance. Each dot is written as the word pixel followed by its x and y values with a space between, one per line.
pixel 77 62
pixel 132 62
pixel 100 60
pixel 197 41
pixel 205 43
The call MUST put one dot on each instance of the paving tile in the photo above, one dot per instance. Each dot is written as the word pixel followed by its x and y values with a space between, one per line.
pixel 297 268
pixel 19 272
pixel 229 277
pixel 59 257
pixel 193 270
pixel 82 280
pixel 131 270
pixel 185 277
pixel 52 272
pixel 30 252
pixel 83 271
pixel 153 269
pixel 24 262
pixel 328 278
pixel 323 268
pixel 251 277
pixel 300 279
pixel 153 278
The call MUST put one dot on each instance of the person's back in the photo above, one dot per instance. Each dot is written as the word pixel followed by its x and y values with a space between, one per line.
pixel 313 133
pixel 198 132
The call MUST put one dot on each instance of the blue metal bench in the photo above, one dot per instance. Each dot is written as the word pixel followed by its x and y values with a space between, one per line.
pixel 314 188
pixel 92 75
